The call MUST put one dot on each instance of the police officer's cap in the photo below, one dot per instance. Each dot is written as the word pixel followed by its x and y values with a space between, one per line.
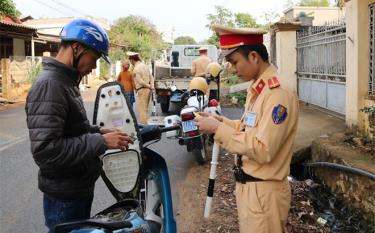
pixel 231 38
pixel 132 54
pixel 203 49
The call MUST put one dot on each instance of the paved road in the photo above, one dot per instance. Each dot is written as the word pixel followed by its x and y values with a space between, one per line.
pixel 21 200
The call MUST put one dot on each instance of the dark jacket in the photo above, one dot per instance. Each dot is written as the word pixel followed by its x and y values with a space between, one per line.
pixel 63 143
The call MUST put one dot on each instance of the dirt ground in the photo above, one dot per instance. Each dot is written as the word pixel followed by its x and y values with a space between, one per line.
pixel 223 219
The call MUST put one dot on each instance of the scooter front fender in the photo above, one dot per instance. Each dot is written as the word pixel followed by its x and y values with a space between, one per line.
pixel 156 163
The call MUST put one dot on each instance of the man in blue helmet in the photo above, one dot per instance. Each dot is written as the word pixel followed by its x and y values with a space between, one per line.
pixel 63 143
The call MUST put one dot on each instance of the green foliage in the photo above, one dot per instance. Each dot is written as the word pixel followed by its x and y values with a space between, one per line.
pixel 323 3
pixel 134 33
pixel 232 79
pixel 244 20
pixel 370 111
pixel 223 16
pixel 104 70
pixel 240 96
pixel 33 72
pixel 8 8
pixel 183 40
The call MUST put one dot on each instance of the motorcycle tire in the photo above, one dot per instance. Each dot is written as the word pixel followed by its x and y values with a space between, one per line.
pixel 164 107
pixel 200 155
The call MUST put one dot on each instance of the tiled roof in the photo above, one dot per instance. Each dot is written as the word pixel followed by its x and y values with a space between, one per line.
pixel 17 25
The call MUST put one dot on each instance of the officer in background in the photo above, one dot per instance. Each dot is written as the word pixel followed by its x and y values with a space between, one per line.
pixel 144 84
pixel 199 65
pixel 262 139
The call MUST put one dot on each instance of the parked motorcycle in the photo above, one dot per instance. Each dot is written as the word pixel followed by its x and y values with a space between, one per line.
pixel 197 101
pixel 138 177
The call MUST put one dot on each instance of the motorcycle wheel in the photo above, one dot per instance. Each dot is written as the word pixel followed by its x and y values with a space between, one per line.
pixel 165 106
pixel 200 154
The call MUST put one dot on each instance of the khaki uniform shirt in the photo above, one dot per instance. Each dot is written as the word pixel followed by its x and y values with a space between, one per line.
pixel 142 76
pixel 265 142
pixel 199 65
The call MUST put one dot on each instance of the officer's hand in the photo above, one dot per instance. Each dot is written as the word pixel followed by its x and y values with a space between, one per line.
pixel 104 131
pixel 206 114
pixel 207 125
pixel 117 140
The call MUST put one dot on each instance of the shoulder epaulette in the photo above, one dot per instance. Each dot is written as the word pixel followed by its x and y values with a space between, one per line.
pixel 273 82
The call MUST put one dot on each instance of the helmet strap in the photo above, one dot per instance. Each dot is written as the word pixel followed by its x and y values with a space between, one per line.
pixel 76 60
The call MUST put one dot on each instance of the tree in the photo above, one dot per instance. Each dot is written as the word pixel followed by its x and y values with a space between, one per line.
pixel 221 16
pixel 323 3
pixel 244 20
pixel 133 33
pixel 269 18
pixel 184 40
pixel 7 8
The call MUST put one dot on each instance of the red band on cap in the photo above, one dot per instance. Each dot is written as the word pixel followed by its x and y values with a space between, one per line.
pixel 235 40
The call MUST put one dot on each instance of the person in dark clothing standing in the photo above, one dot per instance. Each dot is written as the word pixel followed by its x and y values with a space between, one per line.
pixel 63 143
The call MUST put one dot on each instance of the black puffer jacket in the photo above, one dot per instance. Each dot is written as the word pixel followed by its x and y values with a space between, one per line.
pixel 63 143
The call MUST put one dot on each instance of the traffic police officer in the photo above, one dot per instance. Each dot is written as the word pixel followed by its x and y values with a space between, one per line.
pixel 144 84
pixel 262 139
pixel 199 65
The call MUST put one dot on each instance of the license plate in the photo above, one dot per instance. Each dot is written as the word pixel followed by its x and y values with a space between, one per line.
pixel 188 126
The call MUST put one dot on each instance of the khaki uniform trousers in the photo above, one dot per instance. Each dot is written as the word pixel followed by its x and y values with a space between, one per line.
pixel 143 103
pixel 263 206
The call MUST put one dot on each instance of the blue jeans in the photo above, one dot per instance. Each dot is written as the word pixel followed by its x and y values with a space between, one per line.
pixel 130 96
pixel 58 211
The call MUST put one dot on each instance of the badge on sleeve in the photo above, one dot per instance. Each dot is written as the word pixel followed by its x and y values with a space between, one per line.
pixel 250 119
pixel 279 114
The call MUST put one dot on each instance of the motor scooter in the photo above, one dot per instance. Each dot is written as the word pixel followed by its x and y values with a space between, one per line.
pixel 137 178
pixel 197 101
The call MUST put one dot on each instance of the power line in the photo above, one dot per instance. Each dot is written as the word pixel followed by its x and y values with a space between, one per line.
pixel 49 6
pixel 68 7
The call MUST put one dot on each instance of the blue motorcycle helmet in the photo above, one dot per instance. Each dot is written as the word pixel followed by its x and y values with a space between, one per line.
pixel 89 34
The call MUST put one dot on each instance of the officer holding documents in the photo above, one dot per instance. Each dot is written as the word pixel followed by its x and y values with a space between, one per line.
pixel 262 140
pixel 144 84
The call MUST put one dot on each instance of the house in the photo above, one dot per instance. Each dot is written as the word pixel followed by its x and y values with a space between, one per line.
pixel 331 65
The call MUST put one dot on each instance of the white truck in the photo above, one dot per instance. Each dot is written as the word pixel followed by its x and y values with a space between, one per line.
pixel 172 79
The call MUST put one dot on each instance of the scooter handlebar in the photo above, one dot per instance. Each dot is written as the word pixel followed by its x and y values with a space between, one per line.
pixel 153 132
pixel 170 128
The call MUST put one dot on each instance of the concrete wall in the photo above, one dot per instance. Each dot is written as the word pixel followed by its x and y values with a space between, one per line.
pixel 357 62
pixel 355 190
pixel 321 14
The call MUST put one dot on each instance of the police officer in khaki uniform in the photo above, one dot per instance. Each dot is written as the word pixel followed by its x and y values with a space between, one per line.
pixel 199 65
pixel 262 139
pixel 144 84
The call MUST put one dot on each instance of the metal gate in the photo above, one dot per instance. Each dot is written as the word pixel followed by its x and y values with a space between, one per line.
pixel 321 65
pixel 372 49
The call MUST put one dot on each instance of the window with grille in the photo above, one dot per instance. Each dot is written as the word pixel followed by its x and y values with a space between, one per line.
pixel 372 49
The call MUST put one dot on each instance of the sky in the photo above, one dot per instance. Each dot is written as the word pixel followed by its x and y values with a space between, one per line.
pixel 186 17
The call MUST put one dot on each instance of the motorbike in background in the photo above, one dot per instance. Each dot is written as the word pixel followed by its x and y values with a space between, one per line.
pixel 137 178
pixel 197 101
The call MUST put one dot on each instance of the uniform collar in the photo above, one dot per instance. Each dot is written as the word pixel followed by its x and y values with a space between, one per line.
pixel 260 83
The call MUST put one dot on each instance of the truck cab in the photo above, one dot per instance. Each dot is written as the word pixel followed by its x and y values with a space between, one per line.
pixel 172 79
